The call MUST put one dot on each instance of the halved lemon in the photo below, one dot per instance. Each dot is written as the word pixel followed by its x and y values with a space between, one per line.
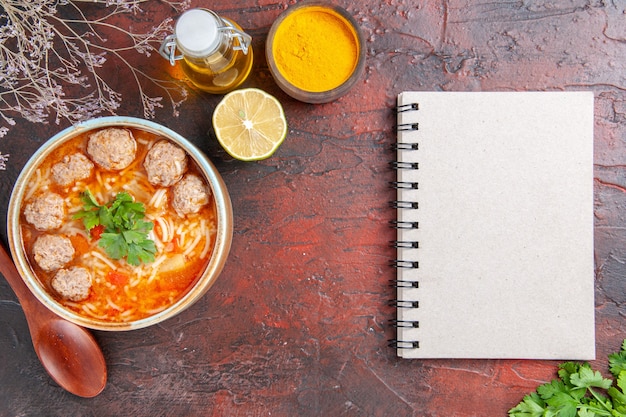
pixel 249 124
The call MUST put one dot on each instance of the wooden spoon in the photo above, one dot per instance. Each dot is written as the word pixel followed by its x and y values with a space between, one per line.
pixel 68 352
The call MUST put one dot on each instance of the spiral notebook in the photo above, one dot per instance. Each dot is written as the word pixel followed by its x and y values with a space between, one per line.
pixel 494 225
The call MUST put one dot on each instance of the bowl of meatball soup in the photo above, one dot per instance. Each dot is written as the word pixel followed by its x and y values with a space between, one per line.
pixel 119 223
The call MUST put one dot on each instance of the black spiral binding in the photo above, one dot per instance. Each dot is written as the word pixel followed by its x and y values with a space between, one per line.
pixel 399 224
pixel 406 108
pixel 401 344
pixel 405 185
pixel 404 204
pixel 405 244
pixel 397 283
pixel 404 146
pixel 404 165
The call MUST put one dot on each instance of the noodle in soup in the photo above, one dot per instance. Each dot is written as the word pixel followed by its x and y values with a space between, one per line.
pixel 121 292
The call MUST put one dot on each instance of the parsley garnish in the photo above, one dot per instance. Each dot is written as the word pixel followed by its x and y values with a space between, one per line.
pixel 125 232
pixel 580 391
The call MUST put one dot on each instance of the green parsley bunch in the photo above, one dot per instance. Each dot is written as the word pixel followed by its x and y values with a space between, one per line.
pixel 123 232
pixel 579 392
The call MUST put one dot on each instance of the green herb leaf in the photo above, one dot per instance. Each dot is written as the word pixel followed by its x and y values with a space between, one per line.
pixel 142 251
pixel 587 377
pixel 579 392
pixel 566 369
pixel 547 391
pixel 564 403
pixel 114 245
pixel 125 232
pixel 618 393
pixel 531 406
pixel 617 361
pixel 90 212
pixel 621 381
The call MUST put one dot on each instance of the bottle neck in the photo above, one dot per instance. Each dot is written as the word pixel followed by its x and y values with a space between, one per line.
pixel 218 59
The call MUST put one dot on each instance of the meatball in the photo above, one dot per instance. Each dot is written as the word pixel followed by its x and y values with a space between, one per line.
pixel 52 252
pixel 72 168
pixel 190 194
pixel 113 149
pixel 73 283
pixel 165 163
pixel 46 211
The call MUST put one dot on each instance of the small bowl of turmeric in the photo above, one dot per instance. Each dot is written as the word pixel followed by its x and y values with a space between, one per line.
pixel 315 51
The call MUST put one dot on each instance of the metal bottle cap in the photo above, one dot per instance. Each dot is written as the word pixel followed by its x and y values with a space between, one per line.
pixel 197 33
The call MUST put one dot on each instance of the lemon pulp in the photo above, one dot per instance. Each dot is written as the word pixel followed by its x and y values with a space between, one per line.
pixel 249 124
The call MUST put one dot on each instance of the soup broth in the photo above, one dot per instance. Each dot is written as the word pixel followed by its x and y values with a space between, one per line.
pixel 121 292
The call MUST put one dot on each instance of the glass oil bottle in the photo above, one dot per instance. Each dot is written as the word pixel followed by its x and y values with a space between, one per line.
pixel 214 52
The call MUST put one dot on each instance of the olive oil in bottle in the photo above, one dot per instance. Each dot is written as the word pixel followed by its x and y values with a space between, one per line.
pixel 215 53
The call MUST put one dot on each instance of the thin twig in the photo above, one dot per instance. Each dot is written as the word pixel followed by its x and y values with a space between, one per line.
pixel 52 67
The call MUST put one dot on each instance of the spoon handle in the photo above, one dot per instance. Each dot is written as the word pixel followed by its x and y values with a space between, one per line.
pixel 35 312
pixel 68 352
pixel 8 269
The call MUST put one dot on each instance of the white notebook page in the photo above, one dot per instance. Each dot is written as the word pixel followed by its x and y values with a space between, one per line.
pixel 505 194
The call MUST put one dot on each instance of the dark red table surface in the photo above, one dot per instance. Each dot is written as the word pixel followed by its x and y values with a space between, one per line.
pixel 297 324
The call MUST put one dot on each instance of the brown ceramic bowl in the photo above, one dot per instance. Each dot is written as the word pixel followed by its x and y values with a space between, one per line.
pixel 216 258
pixel 283 28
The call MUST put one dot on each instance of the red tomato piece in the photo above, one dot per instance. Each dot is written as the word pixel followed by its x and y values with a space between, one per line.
pixel 96 231
pixel 117 278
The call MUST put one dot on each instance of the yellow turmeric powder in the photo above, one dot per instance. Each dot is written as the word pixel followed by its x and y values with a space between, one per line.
pixel 315 49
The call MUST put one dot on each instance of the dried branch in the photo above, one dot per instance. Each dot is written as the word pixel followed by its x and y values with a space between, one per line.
pixel 53 66
pixel 3 161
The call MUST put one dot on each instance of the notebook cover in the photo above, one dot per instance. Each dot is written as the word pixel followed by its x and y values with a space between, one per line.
pixel 505 225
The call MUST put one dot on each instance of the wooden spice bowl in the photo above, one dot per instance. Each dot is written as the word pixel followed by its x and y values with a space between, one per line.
pixel 315 51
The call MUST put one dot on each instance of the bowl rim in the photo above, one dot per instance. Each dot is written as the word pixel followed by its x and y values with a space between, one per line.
pixel 223 237
pixel 314 97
